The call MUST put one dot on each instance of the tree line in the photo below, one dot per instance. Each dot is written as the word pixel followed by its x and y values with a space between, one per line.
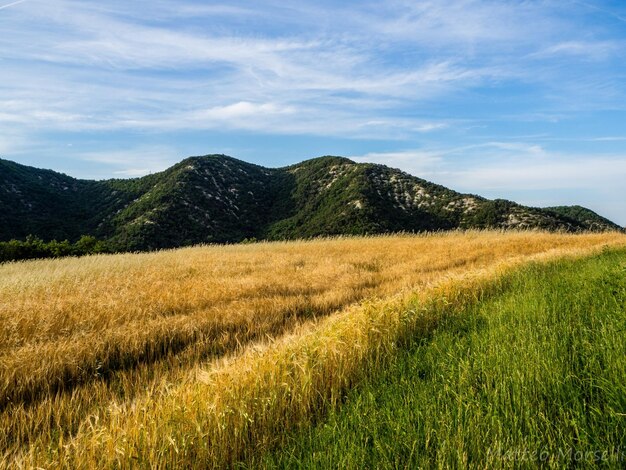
pixel 34 247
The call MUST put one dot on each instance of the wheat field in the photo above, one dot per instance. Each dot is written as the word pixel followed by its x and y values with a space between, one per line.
pixel 199 356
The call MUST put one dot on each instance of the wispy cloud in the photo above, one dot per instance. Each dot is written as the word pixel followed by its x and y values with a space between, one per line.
pixel 109 56
pixel 2 7
pixel 417 162
pixel 592 50
pixel 607 11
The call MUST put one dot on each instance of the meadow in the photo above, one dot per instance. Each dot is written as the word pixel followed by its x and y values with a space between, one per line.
pixel 206 356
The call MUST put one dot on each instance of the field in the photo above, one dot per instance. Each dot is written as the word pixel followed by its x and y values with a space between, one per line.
pixel 211 356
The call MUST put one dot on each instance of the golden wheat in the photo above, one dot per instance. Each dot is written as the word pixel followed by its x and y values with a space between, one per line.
pixel 98 355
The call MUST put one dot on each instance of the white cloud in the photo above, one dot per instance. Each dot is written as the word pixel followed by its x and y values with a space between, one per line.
pixel 588 172
pixel 592 50
pixel 130 162
pixel 620 138
pixel 430 126
pixel 243 109
pixel 516 149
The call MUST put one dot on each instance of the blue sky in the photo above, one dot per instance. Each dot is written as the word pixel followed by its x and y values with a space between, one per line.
pixel 524 100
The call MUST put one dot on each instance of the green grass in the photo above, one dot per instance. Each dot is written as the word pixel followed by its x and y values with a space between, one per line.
pixel 534 376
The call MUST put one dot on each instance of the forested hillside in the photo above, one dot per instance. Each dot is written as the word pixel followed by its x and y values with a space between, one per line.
pixel 217 199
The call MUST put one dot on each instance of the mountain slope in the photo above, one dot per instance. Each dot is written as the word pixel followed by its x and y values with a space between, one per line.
pixel 581 215
pixel 46 203
pixel 201 199
pixel 221 199
pixel 333 195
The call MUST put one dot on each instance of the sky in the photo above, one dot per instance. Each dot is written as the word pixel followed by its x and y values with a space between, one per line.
pixel 522 100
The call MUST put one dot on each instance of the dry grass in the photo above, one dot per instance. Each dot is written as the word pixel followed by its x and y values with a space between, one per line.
pixel 99 355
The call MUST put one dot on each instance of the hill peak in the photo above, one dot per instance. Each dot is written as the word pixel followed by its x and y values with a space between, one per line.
pixel 212 159
pixel 326 160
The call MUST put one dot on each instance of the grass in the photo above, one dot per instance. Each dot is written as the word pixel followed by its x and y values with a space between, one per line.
pixel 204 356
pixel 534 376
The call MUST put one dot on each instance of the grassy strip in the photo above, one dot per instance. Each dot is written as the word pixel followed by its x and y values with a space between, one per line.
pixel 533 376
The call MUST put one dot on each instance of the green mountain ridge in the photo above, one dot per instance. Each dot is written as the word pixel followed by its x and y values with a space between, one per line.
pixel 216 199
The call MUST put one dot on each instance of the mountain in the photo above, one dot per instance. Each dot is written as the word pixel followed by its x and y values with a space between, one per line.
pixel 216 198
